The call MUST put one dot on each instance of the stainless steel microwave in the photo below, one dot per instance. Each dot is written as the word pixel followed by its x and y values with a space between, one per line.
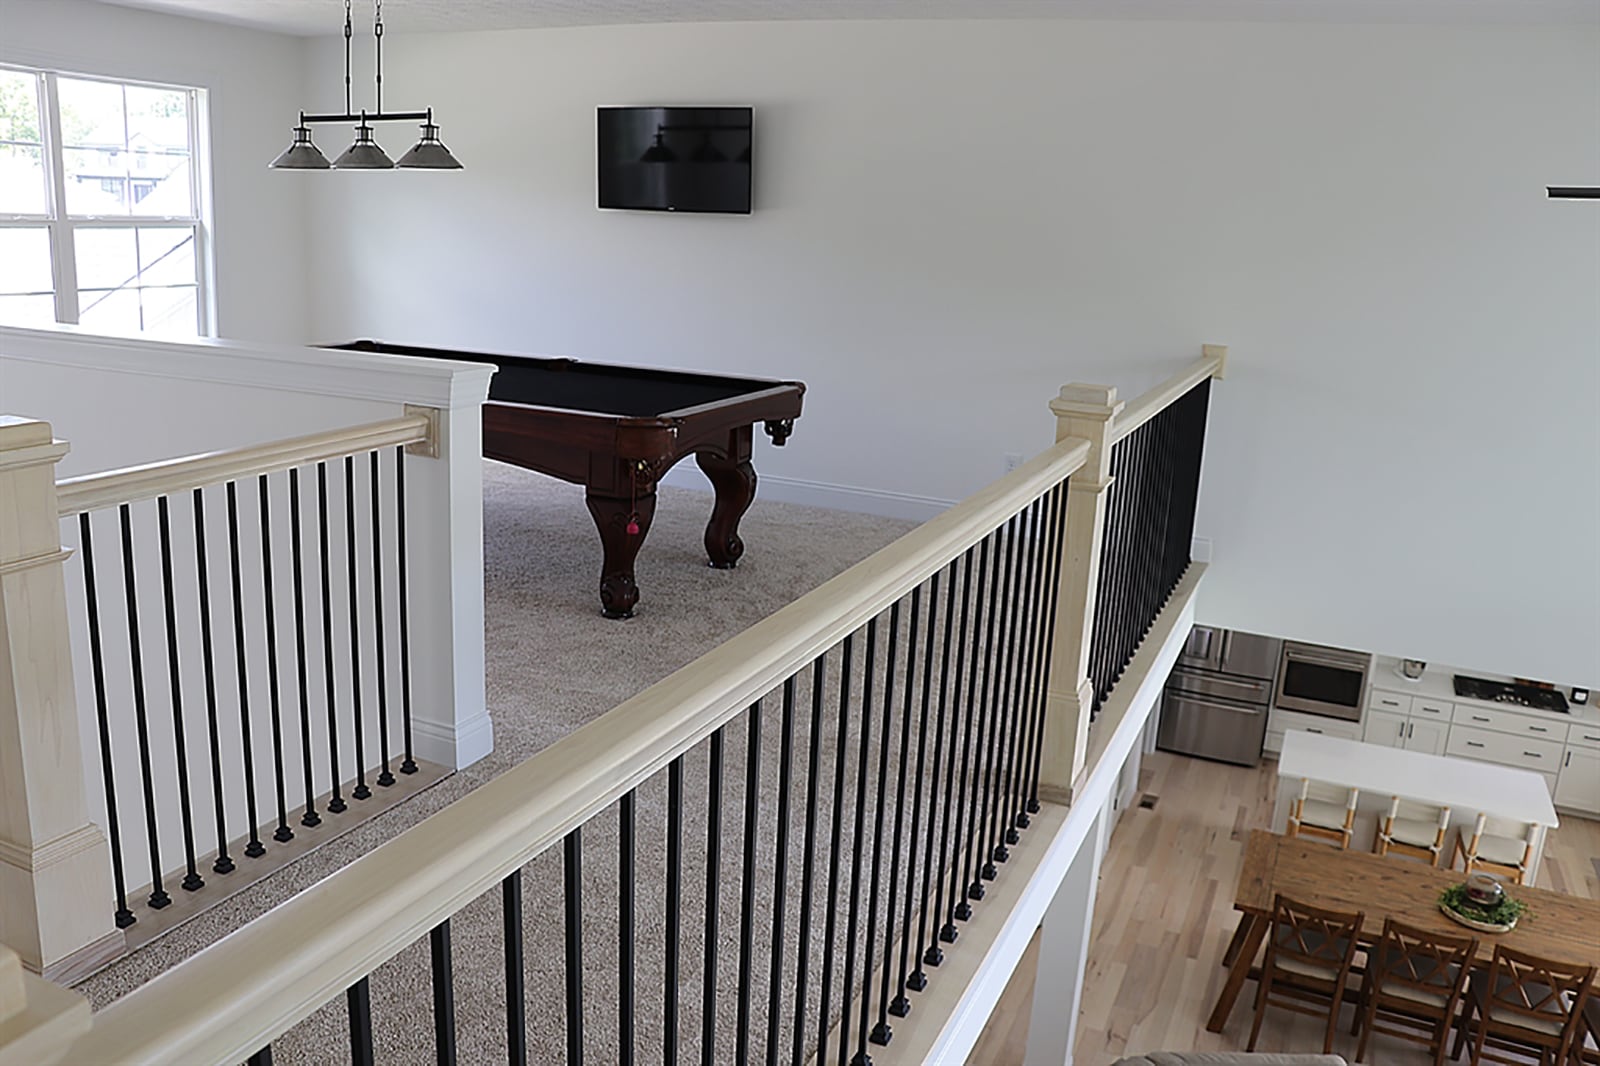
pixel 1320 680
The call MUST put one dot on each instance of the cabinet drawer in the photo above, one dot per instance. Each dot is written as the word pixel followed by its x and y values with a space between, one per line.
pixel 1379 700
pixel 1584 735
pixel 1281 721
pixel 1527 753
pixel 1508 722
pixel 1425 708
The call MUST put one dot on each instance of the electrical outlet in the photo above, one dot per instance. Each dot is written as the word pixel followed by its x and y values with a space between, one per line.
pixel 1012 461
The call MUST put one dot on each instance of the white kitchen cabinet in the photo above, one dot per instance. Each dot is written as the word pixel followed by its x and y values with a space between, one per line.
pixel 1428 736
pixel 1578 782
pixel 1385 727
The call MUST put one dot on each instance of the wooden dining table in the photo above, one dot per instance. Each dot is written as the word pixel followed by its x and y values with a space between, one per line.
pixel 1556 926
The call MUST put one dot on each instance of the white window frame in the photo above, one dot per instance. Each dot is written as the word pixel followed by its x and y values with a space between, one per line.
pixel 62 227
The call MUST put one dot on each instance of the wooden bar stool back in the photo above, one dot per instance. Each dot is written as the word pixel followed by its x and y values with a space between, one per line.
pixel 1323 811
pixel 1413 828
pixel 1524 1003
pixel 1413 985
pixel 1498 845
pixel 1309 955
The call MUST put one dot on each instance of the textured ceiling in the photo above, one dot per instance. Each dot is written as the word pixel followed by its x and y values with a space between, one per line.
pixel 318 17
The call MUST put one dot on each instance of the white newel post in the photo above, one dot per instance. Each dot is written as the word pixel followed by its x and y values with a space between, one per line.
pixel 1086 412
pixel 56 900
pixel 444 516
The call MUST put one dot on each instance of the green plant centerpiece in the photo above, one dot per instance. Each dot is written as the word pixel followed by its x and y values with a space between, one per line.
pixel 1481 903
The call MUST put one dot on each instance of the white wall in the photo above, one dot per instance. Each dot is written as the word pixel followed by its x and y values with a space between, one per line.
pixel 252 81
pixel 954 218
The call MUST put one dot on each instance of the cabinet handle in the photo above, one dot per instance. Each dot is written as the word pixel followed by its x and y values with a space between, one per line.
pixel 1537 729
pixel 1409 728
pixel 1590 736
pixel 1390 703
pixel 1479 718
pixel 1568 760
pixel 1473 744
pixel 1310 730
pixel 1533 755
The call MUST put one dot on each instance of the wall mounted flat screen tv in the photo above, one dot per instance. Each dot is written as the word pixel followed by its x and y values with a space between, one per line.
pixel 675 158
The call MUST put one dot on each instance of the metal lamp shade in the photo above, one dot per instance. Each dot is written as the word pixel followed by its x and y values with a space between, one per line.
pixel 658 152
pixel 429 153
pixel 364 154
pixel 301 155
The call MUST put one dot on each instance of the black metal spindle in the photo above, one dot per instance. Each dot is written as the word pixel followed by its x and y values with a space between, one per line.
pixel 853 923
pixel 808 860
pixel 881 1032
pixel 708 1008
pixel 947 931
pixel 444 995
pixel 380 646
pixel 516 981
pixel 973 850
pixel 358 719
pixel 1027 683
pixel 674 909
pixel 1005 702
pixel 900 1006
pixel 124 917
pixel 864 1030
pixel 310 817
pixel 928 936
pixel 223 863
pixel 572 877
pixel 1058 527
pixel 158 894
pixel 336 803
pixel 926 952
pixel 269 593
pixel 780 871
pixel 254 848
pixel 626 877
pixel 192 879
pixel 959 907
pixel 747 883
pixel 836 823
pixel 995 704
pixel 408 765
pixel 358 1000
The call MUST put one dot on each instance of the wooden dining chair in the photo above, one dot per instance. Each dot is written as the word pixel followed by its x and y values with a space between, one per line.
pixel 1523 1004
pixel 1323 811
pixel 1413 985
pixel 1586 1041
pixel 1310 952
pixel 1413 828
pixel 1497 845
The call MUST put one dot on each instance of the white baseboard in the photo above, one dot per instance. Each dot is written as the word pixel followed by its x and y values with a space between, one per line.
pixel 458 745
pixel 823 494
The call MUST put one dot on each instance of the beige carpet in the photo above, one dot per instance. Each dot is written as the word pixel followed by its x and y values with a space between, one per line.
pixel 554 664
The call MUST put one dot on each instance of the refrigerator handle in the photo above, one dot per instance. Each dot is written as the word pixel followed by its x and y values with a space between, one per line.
pixel 1227 646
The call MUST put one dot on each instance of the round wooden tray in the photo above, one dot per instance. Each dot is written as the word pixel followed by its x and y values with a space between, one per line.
pixel 1473 923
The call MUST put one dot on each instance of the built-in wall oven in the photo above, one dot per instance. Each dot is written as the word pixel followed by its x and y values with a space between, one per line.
pixel 1321 680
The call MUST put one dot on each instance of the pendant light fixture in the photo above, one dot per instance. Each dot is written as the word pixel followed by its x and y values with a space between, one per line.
pixel 429 153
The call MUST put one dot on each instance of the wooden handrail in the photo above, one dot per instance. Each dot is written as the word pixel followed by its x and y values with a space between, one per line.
pixel 310 949
pixel 90 492
pixel 1212 364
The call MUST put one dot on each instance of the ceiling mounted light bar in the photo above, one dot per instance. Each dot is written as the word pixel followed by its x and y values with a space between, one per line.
pixel 429 153
pixel 1573 192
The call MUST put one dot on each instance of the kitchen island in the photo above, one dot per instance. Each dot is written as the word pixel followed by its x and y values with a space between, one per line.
pixel 1380 772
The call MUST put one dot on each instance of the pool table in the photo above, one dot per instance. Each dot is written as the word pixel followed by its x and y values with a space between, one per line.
pixel 617 430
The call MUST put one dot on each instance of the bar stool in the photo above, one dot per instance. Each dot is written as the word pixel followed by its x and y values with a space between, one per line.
pixel 1323 811
pixel 1413 828
pixel 1498 845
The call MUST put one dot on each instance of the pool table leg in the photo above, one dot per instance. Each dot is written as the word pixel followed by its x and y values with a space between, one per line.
pixel 734 479
pixel 612 516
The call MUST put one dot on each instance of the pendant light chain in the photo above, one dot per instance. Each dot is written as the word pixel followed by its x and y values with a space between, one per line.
pixel 347 34
pixel 377 35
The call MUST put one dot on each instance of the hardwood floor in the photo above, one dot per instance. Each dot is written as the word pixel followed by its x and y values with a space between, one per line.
pixel 1165 913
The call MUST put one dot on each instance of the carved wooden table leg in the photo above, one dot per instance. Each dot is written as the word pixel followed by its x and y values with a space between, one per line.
pixel 734 479
pixel 613 517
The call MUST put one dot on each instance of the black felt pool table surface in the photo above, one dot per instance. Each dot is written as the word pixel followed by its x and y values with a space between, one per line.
pixel 602 388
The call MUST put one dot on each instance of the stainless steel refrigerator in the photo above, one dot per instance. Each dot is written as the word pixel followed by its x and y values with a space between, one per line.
pixel 1216 700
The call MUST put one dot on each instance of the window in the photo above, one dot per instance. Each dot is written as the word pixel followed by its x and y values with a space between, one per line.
pixel 100 204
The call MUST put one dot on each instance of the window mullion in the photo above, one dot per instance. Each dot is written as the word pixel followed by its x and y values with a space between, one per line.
pixel 62 265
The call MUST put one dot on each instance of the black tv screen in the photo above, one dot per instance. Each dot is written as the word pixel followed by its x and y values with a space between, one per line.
pixel 675 158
